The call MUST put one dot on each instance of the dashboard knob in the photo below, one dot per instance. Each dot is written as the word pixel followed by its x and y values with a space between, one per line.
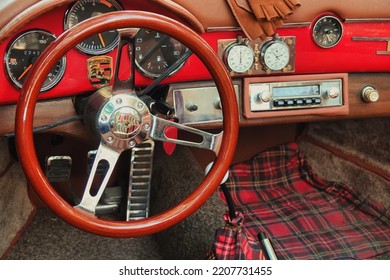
pixel 192 107
pixel 370 94
pixel 218 104
pixel 265 96
pixel 333 92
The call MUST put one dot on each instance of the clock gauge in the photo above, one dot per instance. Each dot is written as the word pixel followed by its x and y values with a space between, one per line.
pixel 327 31
pixel 275 55
pixel 239 57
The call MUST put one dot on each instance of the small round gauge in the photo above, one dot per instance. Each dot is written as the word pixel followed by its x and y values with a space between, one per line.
pixel 275 55
pixel 155 52
pixel 239 57
pixel 100 43
pixel 327 31
pixel 22 54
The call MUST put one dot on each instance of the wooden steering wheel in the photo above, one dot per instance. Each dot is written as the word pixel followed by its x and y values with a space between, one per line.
pixel 124 101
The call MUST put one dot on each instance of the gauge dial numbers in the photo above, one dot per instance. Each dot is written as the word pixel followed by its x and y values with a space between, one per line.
pixel 100 43
pixel 239 57
pixel 22 54
pixel 156 52
pixel 327 31
pixel 275 55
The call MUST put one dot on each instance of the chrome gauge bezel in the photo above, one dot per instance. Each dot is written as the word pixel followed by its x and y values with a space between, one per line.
pixel 144 71
pixel 83 47
pixel 230 56
pixel 265 54
pixel 15 81
pixel 316 31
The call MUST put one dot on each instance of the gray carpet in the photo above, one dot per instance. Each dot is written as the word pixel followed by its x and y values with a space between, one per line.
pixel 49 238
pixel 366 140
pixel 176 176
pixel 15 204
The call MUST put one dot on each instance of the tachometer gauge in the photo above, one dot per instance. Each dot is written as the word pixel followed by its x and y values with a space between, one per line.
pixel 22 54
pixel 100 43
pixel 275 55
pixel 239 57
pixel 327 31
pixel 156 52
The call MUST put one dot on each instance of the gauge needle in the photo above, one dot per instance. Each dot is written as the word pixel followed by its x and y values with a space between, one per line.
pixel 25 72
pixel 101 40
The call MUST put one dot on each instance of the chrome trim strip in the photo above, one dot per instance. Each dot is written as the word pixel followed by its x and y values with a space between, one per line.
pixel 295 24
pixel 382 53
pixel 372 39
pixel 237 28
pixel 223 28
pixel 366 20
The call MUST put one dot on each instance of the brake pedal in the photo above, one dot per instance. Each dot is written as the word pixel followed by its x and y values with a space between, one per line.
pixel 58 168
pixel 140 181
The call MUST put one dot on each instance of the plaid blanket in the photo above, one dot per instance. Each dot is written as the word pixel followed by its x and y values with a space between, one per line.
pixel 305 217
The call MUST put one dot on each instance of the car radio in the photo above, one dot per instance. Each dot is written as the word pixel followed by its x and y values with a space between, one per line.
pixel 295 93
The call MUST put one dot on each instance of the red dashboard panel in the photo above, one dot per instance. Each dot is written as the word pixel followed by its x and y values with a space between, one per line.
pixel 364 47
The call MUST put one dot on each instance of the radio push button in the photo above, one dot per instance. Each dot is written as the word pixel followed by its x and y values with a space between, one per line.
pixel 317 101
pixel 308 101
pixel 299 102
pixel 290 102
pixel 279 103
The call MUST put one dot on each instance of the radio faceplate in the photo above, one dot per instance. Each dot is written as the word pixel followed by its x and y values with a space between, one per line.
pixel 296 95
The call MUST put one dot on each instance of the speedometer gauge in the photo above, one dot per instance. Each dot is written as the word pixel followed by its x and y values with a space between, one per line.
pixel 100 43
pixel 155 52
pixel 22 54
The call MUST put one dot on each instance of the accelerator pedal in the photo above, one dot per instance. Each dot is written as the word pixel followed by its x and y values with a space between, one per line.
pixel 140 181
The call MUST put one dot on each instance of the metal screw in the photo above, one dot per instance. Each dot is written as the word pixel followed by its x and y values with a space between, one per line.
pixel 119 101
pixel 103 118
pixel 147 127
pixel 110 139
pixel 140 105
pixel 131 144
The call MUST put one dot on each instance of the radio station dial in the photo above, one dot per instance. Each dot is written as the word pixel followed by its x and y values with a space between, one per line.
pixel 334 92
pixel 265 96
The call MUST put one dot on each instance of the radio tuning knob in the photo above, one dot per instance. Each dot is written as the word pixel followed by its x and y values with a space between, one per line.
pixel 333 92
pixel 265 96
pixel 370 94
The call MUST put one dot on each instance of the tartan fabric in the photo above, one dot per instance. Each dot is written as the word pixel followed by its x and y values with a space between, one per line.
pixel 304 216
pixel 232 242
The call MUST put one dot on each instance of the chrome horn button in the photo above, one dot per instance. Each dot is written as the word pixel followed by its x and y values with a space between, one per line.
pixel 123 122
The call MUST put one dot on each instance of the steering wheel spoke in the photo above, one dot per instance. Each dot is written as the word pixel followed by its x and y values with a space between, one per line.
pixel 124 79
pixel 92 194
pixel 207 140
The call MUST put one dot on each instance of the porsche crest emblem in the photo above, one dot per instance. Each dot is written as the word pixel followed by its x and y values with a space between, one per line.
pixel 126 122
pixel 100 70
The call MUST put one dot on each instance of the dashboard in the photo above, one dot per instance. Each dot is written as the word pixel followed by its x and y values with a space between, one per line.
pixel 307 65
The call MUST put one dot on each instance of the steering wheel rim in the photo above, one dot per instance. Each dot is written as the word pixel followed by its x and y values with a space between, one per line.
pixel 26 107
